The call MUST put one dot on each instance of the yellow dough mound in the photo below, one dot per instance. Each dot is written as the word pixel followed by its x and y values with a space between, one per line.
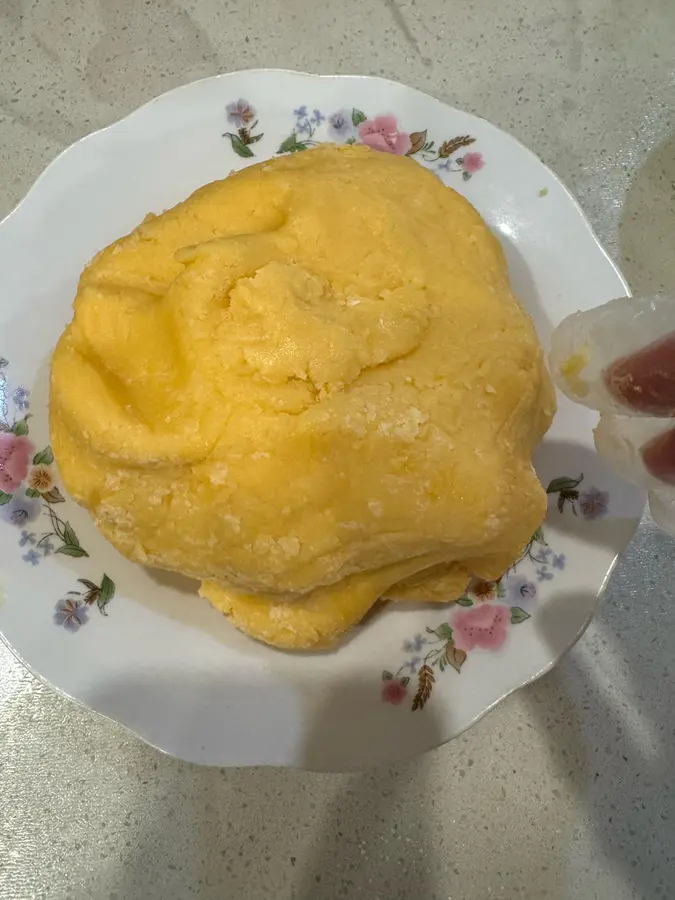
pixel 310 386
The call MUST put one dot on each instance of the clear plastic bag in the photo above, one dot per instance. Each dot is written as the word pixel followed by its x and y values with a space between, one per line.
pixel 620 360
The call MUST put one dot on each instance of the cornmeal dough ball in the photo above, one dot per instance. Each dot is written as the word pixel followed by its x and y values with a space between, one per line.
pixel 308 385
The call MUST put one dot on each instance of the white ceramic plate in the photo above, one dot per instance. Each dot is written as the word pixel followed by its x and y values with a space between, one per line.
pixel 140 646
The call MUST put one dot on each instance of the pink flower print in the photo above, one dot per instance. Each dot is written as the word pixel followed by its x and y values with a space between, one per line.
pixel 15 457
pixel 472 162
pixel 481 626
pixel 594 503
pixel 382 133
pixel 394 691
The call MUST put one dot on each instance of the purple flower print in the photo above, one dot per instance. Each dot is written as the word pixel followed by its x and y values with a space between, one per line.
pixel 594 504
pixel 20 510
pixel 71 614
pixel 240 113
pixel 520 589
pixel 20 398
pixel 558 561
pixel 415 645
pixel 340 126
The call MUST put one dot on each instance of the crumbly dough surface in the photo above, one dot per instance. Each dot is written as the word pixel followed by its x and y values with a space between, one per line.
pixel 306 385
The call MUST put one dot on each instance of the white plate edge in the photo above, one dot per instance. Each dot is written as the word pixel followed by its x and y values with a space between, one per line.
pixel 51 169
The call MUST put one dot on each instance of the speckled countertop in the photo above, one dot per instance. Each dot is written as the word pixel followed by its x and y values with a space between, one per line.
pixel 567 790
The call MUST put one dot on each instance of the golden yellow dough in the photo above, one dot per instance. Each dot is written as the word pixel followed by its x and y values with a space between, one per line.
pixel 309 385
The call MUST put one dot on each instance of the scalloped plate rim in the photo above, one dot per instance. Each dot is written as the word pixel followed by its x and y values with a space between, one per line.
pixel 90 140
pixel 48 171
pixel 302 766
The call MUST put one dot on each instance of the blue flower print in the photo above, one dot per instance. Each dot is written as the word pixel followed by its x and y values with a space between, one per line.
pixel 340 126
pixel 20 398
pixel 32 557
pixel 21 509
pixel 415 645
pixel 520 589
pixel 594 504
pixel 71 614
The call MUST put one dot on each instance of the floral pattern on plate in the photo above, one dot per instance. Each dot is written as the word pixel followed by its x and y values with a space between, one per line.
pixel 29 494
pixel 488 609
pixel 352 126
pixel 153 637
pixel 243 116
